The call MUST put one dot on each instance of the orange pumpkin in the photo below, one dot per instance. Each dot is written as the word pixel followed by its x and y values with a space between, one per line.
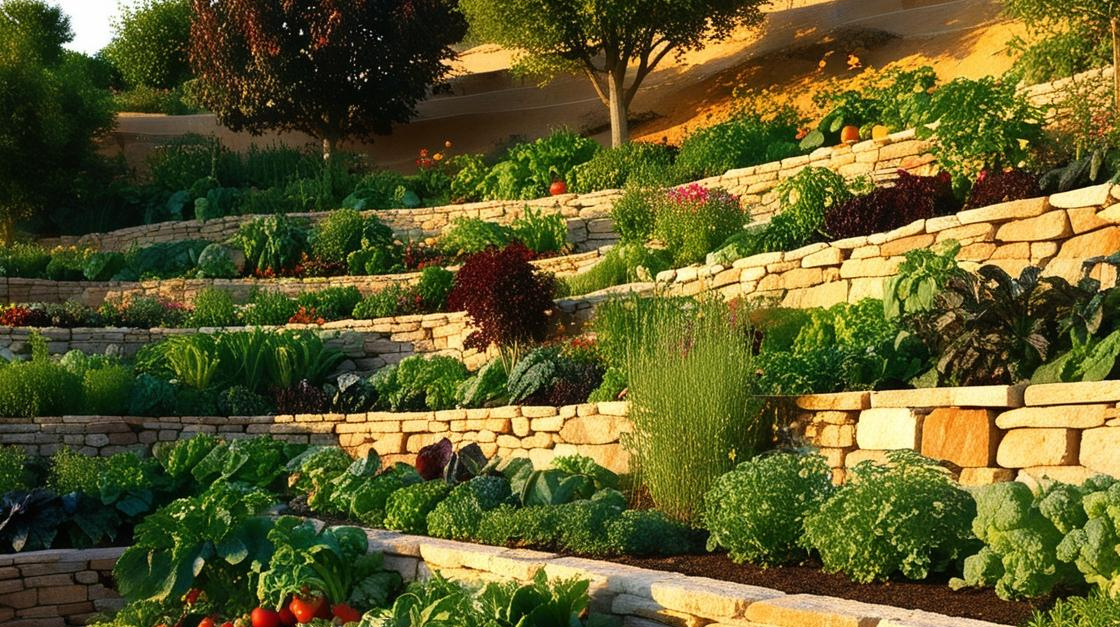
pixel 849 134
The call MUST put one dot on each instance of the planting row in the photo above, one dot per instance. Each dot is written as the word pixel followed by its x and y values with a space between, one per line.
pixel 905 519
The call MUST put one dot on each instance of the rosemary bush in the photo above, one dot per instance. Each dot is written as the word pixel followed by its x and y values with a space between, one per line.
pixel 692 404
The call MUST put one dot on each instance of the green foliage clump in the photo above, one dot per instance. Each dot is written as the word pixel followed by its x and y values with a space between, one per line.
pixel 527 169
pixel 486 388
pixel 692 221
pixel 272 243
pixel 636 163
pixel 331 303
pixel 1065 37
pixel 467 236
pixel 345 231
pixel 1097 610
pixel 407 509
pixel 38 387
pixel 757 511
pixel 71 471
pixel 269 308
pixel 1021 530
pixel 12 473
pixel 749 138
pixel 906 517
pixel 632 214
pixel 458 516
pixel 418 383
pixel 213 307
pixel 691 408
pixel 539 232
pixel 921 276
pixel 106 391
pixel 625 263
pixel 215 262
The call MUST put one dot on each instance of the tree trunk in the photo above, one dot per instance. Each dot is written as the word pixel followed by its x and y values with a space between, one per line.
pixel 326 191
pixel 620 126
pixel 1116 63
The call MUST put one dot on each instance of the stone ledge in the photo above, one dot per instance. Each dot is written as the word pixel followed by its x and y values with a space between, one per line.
pixel 1000 396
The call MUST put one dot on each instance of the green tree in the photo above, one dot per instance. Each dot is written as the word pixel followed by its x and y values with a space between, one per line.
pixel 605 38
pixel 1095 20
pixel 53 110
pixel 151 42
pixel 329 68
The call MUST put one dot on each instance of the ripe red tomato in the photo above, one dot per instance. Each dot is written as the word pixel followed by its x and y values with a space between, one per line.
pixel 227 624
pixel 207 622
pixel 264 617
pixel 287 619
pixel 306 608
pixel 345 613
pixel 558 187
pixel 191 597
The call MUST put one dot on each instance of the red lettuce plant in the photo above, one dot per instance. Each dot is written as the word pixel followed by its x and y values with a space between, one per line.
pixel 995 186
pixel 911 198
pixel 432 459
pixel 506 298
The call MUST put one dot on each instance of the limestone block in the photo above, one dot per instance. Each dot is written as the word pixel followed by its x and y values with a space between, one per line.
pixel 1095 196
pixel 1093 244
pixel 1058 416
pixel 888 429
pixel 1023 448
pixel 985 476
pixel 965 437
pixel 1034 475
pixel 1099 450
pixel 975 396
pixel 807 610
pixel 1048 226
pixel 1003 212
pixel 1081 392
pixel 827 257
pixel 842 401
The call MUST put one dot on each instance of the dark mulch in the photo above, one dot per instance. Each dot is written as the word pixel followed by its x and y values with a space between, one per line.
pixel 931 595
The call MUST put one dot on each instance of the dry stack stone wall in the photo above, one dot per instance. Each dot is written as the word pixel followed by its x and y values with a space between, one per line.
pixel 1058 233
pixel 57 588
pixel 93 293
pixel 539 433
pixel 367 345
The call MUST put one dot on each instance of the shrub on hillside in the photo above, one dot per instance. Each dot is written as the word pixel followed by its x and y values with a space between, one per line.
pixel 636 163
pixel 691 221
pixel 749 138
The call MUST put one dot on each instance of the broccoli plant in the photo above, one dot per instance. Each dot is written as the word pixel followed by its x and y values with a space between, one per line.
pixel 1021 531
pixel 1093 547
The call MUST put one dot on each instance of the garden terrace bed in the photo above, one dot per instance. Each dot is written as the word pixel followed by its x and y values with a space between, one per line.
pixel 641 592
pixel 589 225
pixel 367 345
pixel 540 433
pixel 1057 233
pixel 1067 431
pixel 93 293
pixel 58 587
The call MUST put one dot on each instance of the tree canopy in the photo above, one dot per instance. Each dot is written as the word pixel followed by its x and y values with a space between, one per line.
pixel 150 43
pixel 604 38
pixel 330 68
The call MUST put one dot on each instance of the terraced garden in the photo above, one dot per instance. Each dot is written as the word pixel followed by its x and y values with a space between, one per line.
pixel 861 368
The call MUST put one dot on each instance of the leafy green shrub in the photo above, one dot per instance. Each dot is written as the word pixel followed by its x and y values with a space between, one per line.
pixel 636 163
pixel 1097 610
pixel 407 509
pixel 691 407
pixel 467 236
pixel 625 263
pixel 526 170
pixel 803 201
pixel 1021 530
pixel 106 391
pixel 386 302
pixel 757 511
pixel 19 259
pixel 273 243
pixel 241 401
pixel 151 396
pixel 648 532
pixel 487 388
pixel 345 231
pixel 213 307
pixel 418 383
pixel 383 189
pixel 921 276
pixel 749 138
pixel 38 387
pixel 269 308
pixel 895 98
pixel 434 287
pixel 12 472
pixel 908 517
pixel 331 303
pixel 458 516
pixel 980 125
pixel 692 221
pixel 632 214
pixel 162 261
pixel 141 99
pixel 539 232
pixel 71 471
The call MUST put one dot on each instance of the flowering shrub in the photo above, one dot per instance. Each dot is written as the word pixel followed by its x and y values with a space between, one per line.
pixel 506 298
pixel 306 315
pixel 911 198
pixel 19 316
pixel 995 186
pixel 692 221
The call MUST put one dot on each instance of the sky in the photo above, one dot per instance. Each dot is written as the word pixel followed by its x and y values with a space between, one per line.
pixel 91 21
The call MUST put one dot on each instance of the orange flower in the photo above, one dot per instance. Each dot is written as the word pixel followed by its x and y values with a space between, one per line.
pixel 424 152
pixel 447 144
pixel 438 156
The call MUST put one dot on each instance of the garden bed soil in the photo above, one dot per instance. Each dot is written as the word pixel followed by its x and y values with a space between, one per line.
pixel 931 595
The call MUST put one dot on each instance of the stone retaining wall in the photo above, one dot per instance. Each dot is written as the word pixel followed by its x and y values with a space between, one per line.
pixel 1066 431
pixel 1058 233
pixel 93 293
pixel 540 433
pixel 646 598
pixel 368 345
pixel 57 588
